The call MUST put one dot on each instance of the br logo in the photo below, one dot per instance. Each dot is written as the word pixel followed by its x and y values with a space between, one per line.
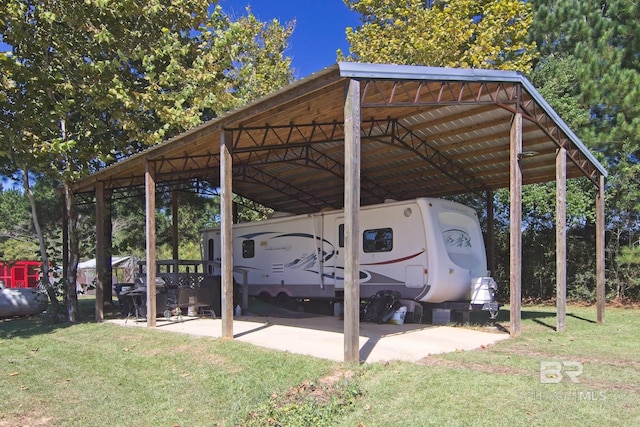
pixel 552 372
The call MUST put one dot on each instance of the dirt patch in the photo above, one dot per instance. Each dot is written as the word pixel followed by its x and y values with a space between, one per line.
pixel 323 391
pixel 506 370
pixel 583 360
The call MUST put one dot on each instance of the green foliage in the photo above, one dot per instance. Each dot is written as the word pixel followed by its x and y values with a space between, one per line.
pixel 89 82
pixel 195 212
pixel 461 33
pixel 104 80
pixel 13 249
pixel 590 69
pixel 539 241
pixel 17 237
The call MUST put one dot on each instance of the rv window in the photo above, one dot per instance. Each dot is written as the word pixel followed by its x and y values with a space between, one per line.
pixel 378 240
pixel 210 251
pixel 248 249
pixel 341 235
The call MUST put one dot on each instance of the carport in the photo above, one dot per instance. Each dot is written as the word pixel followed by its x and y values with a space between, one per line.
pixel 356 134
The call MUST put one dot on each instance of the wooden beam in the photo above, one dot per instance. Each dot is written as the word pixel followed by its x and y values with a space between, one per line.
pixel 100 251
pixel 515 219
pixel 174 225
pixel 352 223
pixel 491 249
pixel 561 240
pixel 226 231
pixel 600 248
pixel 150 213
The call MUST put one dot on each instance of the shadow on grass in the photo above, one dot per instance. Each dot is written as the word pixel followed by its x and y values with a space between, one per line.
pixel 555 328
pixel 45 323
pixel 546 325
pixel 539 318
pixel 584 319
pixel 504 318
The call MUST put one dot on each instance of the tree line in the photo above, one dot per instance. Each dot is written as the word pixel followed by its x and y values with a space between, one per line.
pixel 89 82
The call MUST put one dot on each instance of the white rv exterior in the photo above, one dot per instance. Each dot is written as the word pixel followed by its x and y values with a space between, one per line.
pixel 430 250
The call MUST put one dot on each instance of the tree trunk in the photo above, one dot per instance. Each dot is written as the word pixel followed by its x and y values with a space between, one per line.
pixel 44 277
pixel 74 254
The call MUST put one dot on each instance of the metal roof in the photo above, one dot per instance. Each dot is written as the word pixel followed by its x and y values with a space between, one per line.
pixel 425 131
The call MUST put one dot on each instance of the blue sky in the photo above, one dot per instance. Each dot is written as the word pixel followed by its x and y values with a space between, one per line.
pixel 320 28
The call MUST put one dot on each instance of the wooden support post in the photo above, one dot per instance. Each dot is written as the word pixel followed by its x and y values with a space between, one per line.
pixel 174 225
pixel 491 246
pixel 150 209
pixel 226 232
pixel 515 219
pixel 100 261
pixel 351 223
pixel 561 239
pixel 600 248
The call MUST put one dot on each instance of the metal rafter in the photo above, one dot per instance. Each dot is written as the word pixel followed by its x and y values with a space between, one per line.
pixel 256 138
pixel 405 137
pixel 251 173
pixel 505 95
pixel 420 93
pixel 310 156
pixel 534 112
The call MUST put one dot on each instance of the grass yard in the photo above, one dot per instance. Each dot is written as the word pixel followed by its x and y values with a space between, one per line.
pixel 91 374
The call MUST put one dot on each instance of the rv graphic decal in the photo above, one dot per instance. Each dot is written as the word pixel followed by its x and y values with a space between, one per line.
pixel 307 261
pixel 457 238
pixel 393 261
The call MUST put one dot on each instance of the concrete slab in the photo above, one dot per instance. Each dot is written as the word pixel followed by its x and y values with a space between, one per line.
pixel 322 336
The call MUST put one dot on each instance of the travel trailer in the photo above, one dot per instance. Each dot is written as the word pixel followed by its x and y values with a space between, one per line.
pixel 429 250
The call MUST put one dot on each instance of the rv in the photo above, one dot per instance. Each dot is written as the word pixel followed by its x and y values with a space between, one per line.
pixel 429 250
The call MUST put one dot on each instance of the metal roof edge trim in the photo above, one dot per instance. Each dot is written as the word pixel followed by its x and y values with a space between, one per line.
pixel 419 72
pixel 416 72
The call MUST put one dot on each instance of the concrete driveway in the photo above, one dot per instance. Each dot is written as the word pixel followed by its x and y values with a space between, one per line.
pixel 322 336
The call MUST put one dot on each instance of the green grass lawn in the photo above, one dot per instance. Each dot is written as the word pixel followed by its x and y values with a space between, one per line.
pixel 90 374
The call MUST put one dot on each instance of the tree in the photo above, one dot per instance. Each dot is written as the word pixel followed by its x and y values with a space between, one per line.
pixel 459 33
pixel 91 81
pixel 599 43
pixel 16 236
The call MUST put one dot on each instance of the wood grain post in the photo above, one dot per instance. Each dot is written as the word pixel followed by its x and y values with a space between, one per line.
pixel 352 223
pixel 150 221
pixel 600 248
pixel 561 240
pixel 226 233
pixel 515 219
pixel 175 239
pixel 100 279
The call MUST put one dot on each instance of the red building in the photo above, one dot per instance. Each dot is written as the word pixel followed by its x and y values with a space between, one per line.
pixel 20 274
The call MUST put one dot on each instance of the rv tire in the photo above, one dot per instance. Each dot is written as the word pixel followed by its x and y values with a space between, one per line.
pixel 265 297
pixel 282 300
